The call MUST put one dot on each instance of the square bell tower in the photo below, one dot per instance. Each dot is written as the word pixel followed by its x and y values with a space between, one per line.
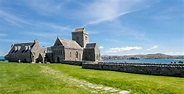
pixel 80 36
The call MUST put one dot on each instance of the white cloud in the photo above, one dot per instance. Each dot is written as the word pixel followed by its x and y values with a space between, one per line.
pixel 12 18
pixel 55 26
pixel 110 18
pixel 108 10
pixel 174 53
pixel 101 47
pixel 123 49
pixel 152 48
pixel 46 7
pixel 18 21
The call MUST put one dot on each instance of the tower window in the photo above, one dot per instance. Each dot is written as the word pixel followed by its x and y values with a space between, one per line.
pixel 86 38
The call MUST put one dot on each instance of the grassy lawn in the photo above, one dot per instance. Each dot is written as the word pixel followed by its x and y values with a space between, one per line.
pixel 62 79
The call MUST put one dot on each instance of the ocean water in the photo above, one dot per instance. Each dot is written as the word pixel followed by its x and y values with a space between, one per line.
pixel 1 57
pixel 156 61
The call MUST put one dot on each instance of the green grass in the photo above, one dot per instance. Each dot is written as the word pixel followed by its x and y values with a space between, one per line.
pixel 28 78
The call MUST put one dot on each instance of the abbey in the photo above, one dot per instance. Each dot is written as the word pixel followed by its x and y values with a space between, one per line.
pixel 77 49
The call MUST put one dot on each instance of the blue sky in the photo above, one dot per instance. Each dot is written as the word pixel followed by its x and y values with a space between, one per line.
pixel 119 27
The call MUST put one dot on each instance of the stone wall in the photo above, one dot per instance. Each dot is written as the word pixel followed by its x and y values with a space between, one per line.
pixel 78 63
pixel 153 69
pixel 73 54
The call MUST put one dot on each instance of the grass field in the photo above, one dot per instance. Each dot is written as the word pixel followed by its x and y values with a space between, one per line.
pixel 69 79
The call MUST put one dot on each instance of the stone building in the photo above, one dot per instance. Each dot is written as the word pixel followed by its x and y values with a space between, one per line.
pixel 66 50
pixel 77 49
pixel 91 52
pixel 26 52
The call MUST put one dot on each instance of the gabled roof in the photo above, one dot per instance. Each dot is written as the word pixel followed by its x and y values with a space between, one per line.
pixel 24 44
pixel 91 45
pixel 69 43
pixel 21 47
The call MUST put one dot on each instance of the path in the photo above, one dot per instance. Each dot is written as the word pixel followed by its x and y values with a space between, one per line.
pixel 94 88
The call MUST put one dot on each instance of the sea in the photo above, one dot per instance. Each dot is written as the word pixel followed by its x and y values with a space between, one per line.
pixel 154 61
pixel 1 57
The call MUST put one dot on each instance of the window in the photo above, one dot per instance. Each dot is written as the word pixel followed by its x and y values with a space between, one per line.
pixel 29 47
pixel 76 54
pixel 19 47
pixel 26 48
pixel 77 38
pixel 16 48
pixel 86 38
pixel 70 54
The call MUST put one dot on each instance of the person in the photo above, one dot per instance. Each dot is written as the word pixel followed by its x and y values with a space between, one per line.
pixel 19 61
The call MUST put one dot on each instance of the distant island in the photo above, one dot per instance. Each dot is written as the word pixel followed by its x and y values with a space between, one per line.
pixel 147 56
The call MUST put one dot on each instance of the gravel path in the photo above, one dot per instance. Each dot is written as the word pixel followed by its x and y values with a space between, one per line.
pixel 94 88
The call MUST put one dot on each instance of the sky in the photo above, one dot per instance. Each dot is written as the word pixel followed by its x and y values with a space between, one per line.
pixel 119 27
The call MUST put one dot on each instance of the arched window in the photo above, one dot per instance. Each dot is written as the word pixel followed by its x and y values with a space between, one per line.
pixel 86 38
pixel 70 54
pixel 77 54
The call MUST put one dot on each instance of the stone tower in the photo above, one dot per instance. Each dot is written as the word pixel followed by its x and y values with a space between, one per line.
pixel 80 36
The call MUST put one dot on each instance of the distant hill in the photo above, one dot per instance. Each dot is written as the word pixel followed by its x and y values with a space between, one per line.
pixel 148 56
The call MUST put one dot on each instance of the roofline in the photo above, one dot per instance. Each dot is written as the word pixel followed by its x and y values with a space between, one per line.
pixel 24 43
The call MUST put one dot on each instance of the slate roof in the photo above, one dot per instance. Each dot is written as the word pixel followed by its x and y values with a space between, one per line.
pixel 91 45
pixel 24 44
pixel 69 43
pixel 22 47
pixel 80 30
